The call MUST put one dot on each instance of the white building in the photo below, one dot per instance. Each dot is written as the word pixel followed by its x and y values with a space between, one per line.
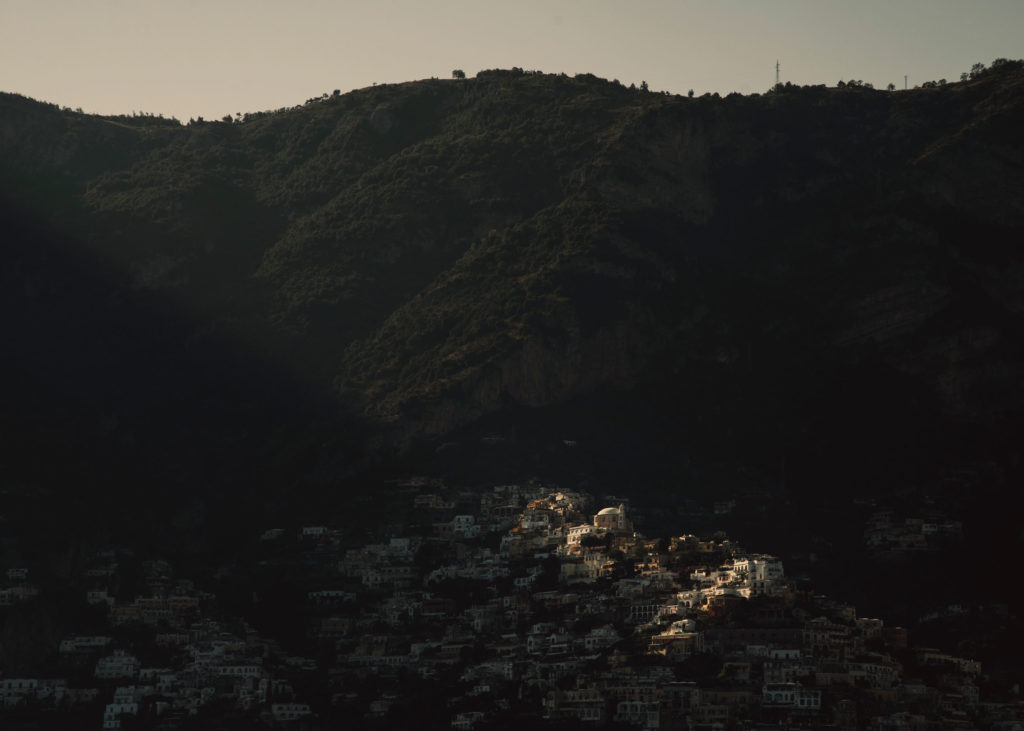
pixel 465 526
pixel 313 531
pixel 13 690
pixel 241 671
pixel 99 596
pixel 289 711
pixel 758 568
pixel 645 714
pixel 467 720
pixel 75 644
pixel 575 533
pixel 113 712
pixel 790 695
pixel 118 665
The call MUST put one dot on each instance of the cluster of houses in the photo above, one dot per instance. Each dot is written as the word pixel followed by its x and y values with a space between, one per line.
pixel 102 676
pixel 536 602
pixel 884 534
pixel 522 602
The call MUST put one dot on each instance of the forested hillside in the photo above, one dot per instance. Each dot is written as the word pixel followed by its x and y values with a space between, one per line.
pixel 829 278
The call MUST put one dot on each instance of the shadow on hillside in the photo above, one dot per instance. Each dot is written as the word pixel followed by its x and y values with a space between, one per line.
pixel 124 418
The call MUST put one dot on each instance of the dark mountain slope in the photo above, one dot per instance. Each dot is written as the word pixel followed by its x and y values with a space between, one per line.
pixel 121 414
pixel 775 240
pixel 817 271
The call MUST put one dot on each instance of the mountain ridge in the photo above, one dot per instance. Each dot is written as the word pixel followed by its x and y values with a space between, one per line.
pixel 433 252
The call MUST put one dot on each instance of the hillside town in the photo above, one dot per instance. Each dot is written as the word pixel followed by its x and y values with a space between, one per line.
pixel 520 603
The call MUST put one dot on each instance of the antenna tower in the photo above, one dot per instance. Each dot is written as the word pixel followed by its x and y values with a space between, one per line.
pixel 776 72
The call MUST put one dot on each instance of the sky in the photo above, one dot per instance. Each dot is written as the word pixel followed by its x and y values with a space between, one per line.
pixel 190 58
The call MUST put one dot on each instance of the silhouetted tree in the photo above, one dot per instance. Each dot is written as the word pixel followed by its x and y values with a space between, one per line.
pixel 891 87
pixel 643 86
pixel 458 74
pixel 690 93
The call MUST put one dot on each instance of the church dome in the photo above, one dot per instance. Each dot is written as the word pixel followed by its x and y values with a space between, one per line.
pixel 609 511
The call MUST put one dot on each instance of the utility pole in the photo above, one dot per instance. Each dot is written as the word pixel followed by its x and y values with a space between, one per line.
pixel 904 82
pixel 776 72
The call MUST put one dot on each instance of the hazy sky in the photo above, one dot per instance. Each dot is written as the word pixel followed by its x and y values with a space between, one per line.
pixel 214 57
